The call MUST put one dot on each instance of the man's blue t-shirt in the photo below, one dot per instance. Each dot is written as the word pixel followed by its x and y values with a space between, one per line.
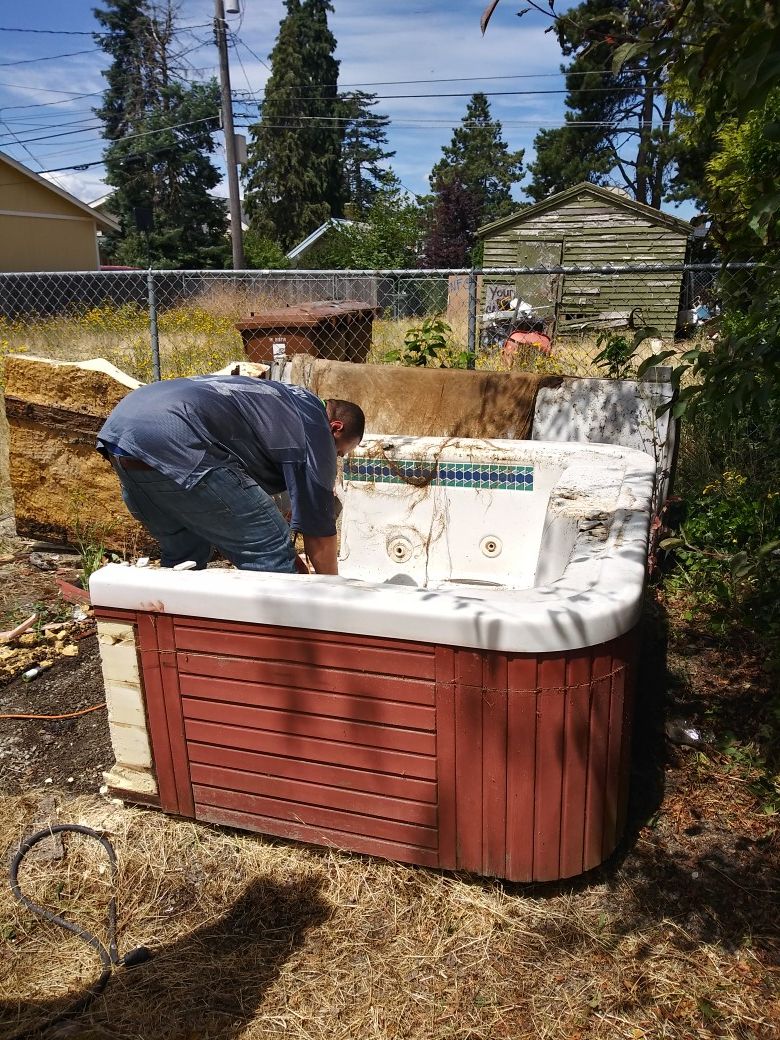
pixel 279 434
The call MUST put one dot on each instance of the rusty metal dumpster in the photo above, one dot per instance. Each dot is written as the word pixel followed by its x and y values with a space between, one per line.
pixel 338 330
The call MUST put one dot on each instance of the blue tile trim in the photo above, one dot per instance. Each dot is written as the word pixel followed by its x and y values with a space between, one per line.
pixel 490 476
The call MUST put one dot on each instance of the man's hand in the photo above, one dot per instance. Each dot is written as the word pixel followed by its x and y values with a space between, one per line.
pixel 322 553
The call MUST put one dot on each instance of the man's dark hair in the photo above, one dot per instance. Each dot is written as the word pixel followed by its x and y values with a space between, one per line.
pixel 348 413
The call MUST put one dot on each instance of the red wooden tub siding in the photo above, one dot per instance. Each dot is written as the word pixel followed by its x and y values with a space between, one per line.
pixel 507 765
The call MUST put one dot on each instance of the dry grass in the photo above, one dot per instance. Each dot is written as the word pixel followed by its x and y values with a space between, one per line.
pixel 256 939
pixel 200 336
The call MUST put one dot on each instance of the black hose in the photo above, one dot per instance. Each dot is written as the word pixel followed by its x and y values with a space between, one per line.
pixel 109 955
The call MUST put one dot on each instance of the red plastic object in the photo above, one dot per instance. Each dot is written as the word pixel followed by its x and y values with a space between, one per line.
pixel 516 340
pixel 507 765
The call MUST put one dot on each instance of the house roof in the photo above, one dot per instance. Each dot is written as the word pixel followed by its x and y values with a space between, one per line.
pixel 108 223
pixel 309 241
pixel 610 195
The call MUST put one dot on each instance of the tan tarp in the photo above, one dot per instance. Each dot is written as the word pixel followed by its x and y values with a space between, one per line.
pixel 429 402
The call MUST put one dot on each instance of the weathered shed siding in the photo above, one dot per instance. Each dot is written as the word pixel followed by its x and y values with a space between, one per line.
pixel 596 229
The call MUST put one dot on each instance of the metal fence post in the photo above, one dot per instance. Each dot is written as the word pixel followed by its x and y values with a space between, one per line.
pixel 153 330
pixel 472 327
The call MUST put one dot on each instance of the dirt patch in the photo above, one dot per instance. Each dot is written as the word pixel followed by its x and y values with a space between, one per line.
pixel 67 753
pixel 6 497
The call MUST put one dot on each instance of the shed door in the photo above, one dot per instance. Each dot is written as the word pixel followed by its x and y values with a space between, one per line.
pixel 541 291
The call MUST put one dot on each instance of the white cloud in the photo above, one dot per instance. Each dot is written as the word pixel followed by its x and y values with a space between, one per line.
pixel 85 186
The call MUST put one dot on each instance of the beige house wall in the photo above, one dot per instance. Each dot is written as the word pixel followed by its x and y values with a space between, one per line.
pixel 40 230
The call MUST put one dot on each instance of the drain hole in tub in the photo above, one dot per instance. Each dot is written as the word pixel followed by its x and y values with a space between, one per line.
pixel 491 546
pixel 399 549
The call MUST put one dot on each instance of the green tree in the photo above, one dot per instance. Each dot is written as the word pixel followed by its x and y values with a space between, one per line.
pixel 362 152
pixel 293 177
pixel 159 133
pixel 388 237
pixel 741 173
pixel 566 156
pixel 262 253
pixel 481 160
pixel 628 117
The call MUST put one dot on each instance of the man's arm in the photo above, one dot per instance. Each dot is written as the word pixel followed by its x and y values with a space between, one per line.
pixel 323 553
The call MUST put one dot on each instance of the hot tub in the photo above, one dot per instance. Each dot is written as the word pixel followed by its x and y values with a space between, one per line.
pixel 459 697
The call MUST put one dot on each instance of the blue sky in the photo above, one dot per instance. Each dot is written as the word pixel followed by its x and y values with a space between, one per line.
pixel 407 47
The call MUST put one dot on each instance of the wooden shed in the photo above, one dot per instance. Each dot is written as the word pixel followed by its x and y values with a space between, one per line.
pixel 588 225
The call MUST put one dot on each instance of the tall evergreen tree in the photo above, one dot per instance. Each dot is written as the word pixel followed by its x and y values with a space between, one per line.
pixel 362 152
pixel 453 221
pixel 293 177
pixel 153 161
pixel 321 101
pixel 480 158
pixel 630 140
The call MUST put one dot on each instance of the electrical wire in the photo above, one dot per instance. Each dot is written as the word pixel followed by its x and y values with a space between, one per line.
pixel 109 954
pixel 51 137
pixel 87 32
pixel 48 57
pixel 48 104
pixel 67 715
pixel 458 94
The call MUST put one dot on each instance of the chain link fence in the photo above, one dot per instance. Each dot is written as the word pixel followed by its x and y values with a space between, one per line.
pixel 161 324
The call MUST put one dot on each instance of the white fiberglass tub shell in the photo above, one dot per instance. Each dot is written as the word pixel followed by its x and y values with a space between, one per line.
pixel 510 546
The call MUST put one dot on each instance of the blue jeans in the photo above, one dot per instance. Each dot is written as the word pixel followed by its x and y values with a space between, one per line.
pixel 226 510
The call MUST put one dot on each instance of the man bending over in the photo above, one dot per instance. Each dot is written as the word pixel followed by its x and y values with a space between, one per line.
pixel 199 458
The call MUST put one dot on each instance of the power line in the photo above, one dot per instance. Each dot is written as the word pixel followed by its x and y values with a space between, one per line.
pixel 48 104
pixel 34 124
pixel 45 90
pixel 24 146
pixel 233 38
pixel 472 79
pixel 127 137
pixel 48 57
pixel 432 122
pixel 86 32
pixel 492 93
pixel 52 137
pixel 253 53
pixel 130 155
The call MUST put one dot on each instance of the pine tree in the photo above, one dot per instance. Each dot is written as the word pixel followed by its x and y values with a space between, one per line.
pixel 293 179
pixel 152 160
pixel 632 142
pixel 566 156
pixel 321 104
pixel 362 152
pixel 454 219
pixel 480 158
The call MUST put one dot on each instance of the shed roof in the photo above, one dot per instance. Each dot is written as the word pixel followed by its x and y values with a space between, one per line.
pixel 607 195
pixel 108 223
pixel 308 242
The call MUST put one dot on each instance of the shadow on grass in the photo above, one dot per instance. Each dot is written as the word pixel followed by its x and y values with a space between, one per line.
pixel 709 883
pixel 209 983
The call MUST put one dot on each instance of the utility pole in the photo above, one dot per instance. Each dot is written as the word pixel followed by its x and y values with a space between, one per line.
pixel 234 198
